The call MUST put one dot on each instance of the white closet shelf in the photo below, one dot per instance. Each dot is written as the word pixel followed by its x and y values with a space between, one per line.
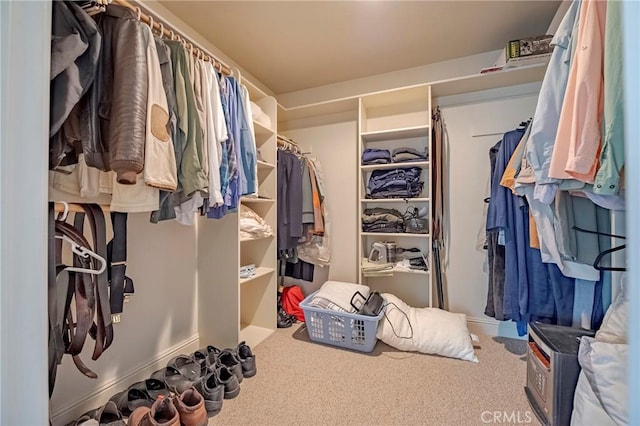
pixel 394 270
pixel 254 333
pixel 394 200
pixel 249 200
pixel 262 130
pixel 421 164
pixel 393 134
pixel 265 165
pixel 260 272
pixel 491 80
pixel 393 234
pixel 246 240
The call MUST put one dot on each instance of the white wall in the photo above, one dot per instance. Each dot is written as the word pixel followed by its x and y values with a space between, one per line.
pixel 160 319
pixel 25 43
pixel 468 176
pixel 336 148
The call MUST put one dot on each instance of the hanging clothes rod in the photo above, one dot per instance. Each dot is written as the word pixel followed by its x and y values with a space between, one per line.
pixel 170 33
pixel 64 207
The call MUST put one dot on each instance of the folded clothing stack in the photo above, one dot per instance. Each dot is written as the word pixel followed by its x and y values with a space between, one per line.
pixel 252 226
pixel 396 183
pixel 260 116
pixel 406 155
pixel 379 219
pixel 247 271
pixel 376 156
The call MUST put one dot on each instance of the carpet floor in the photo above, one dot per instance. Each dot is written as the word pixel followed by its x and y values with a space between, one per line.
pixel 300 382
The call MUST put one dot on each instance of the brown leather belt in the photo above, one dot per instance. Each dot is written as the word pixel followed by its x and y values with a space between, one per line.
pixel 81 286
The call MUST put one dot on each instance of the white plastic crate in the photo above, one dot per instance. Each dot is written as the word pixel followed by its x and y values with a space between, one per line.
pixel 346 330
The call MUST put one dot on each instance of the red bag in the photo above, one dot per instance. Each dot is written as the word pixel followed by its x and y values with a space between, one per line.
pixel 291 298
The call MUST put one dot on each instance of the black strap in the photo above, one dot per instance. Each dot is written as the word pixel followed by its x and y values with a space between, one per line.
pixel 117 260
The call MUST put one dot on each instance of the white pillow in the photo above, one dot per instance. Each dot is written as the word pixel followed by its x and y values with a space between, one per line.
pixel 586 406
pixel 605 368
pixel 614 324
pixel 425 330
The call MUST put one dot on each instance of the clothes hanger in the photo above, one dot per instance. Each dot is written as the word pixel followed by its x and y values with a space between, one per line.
pixel 596 263
pixel 83 252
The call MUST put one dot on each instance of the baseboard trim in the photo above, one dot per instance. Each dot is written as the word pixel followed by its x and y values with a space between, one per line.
pixel 484 326
pixel 71 411
pixel 493 328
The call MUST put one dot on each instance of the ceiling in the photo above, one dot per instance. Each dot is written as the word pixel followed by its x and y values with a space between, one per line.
pixel 296 45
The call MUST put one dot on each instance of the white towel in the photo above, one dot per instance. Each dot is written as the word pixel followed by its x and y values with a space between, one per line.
pixel 341 293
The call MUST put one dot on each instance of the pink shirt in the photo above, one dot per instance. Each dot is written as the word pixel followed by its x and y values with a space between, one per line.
pixel 579 138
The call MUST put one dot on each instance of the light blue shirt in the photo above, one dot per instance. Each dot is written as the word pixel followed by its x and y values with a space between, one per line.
pixel 547 115
pixel 612 157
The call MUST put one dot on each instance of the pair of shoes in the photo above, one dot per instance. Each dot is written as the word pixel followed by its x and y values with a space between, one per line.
pixel 106 414
pixel 247 359
pixel 181 373
pixel 140 394
pixel 187 409
pixel 284 319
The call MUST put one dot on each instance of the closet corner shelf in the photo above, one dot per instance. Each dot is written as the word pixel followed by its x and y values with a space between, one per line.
pixel 393 134
pixel 261 129
pixel 260 272
pixel 265 165
pixel 250 200
pixel 393 234
pixel 422 164
pixel 394 200
pixel 252 334
pixel 491 80
pixel 246 240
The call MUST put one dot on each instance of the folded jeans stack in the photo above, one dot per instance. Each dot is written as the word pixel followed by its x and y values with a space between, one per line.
pixel 396 183
pixel 376 156
pixel 407 155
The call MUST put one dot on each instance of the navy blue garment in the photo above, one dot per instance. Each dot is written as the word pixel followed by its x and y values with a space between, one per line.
pixel 529 294
pixel 597 315
pixel 376 156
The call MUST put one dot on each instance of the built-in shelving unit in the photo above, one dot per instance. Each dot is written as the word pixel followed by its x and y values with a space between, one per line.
pixel 387 121
pixel 234 309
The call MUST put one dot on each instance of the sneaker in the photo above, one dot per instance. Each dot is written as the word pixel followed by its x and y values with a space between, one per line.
pixel 161 413
pixel 227 358
pixel 247 359
pixel 230 382
pixel 213 393
pixel 190 406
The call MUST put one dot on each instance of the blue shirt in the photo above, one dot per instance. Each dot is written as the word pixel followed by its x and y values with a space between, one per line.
pixel 529 293
pixel 547 114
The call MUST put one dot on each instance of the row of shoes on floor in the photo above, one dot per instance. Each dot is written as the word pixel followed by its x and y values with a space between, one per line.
pixel 186 392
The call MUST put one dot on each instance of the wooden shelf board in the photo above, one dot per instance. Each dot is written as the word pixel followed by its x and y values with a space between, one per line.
pixel 253 334
pixel 393 134
pixel 255 239
pixel 394 200
pixel 265 165
pixel 249 200
pixel 393 234
pixel 421 164
pixel 491 80
pixel 260 272
pixel 261 129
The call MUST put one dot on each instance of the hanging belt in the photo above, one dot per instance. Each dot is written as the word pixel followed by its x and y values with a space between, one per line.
pixel 117 260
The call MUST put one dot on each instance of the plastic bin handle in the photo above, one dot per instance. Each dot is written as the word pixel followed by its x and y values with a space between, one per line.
pixel 364 299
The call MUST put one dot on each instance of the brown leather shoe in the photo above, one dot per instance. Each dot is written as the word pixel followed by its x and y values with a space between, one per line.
pixel 190 405
pixel 161 413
